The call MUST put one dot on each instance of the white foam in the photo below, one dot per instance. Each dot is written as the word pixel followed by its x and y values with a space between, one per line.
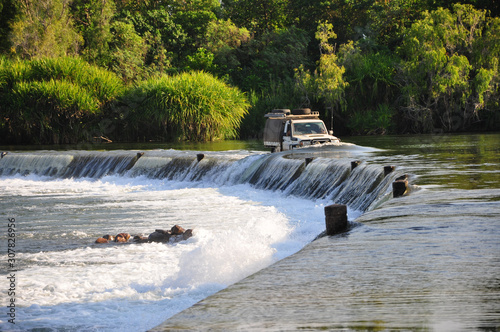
pixel 68 282
pixel 238 231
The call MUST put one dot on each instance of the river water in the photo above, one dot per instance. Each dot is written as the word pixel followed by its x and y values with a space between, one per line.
pixel 427 261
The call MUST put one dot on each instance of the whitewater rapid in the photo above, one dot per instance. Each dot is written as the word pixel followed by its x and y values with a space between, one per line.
pixel 248 210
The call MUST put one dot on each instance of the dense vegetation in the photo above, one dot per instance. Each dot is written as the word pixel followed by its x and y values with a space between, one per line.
pixel 71 70
pixel 191 106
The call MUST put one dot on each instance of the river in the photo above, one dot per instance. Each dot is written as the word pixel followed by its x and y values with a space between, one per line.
pixel 427 261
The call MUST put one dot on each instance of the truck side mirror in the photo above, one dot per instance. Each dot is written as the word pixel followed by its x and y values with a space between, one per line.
pixel 330 132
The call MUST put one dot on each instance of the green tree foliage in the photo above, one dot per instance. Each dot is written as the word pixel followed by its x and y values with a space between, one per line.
pixel 162 35
pixel 53 100
pixel 174 31
pixel 222 34
pixel 223 39
pixel 372 88
pixel 389 19
pixel 193 106
pixel 345 16
pixel 391 66
pixel 327 82
pixel 442 87
pixel 269 59
pixel 127 51
pixel 44 28
pixel 259 16
pixel 7 15
pixel 93 21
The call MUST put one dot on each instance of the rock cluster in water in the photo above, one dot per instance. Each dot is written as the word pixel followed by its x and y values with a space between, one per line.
pixel 175 234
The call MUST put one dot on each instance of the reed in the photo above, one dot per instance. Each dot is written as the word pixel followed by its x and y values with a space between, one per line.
pixel 194 106
pixel 102 84
pixel 55 100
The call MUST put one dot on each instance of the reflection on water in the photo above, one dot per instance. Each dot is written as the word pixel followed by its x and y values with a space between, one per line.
pixel 199 146
pixel 429 261
pixel 453 161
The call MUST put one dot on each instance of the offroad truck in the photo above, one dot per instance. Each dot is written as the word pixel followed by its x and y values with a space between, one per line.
pixel 287 130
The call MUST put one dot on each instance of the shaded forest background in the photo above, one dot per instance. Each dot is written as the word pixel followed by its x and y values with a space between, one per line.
pixel 140 70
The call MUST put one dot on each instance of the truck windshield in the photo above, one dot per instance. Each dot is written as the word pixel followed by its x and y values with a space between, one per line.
pixel 306 128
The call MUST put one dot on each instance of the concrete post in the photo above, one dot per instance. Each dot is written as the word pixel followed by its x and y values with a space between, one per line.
pixel 335 218
pixel 399 188
pixel 388 170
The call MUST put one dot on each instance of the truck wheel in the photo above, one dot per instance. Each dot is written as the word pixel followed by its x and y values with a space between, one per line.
pixel 275 149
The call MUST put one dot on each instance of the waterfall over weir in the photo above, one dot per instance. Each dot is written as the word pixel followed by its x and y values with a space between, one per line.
pixel 322 178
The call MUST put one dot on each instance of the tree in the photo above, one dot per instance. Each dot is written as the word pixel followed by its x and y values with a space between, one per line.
pixel 7 14
pixel 161 34
pixel 327 82
pixel 258 16
pixel 127 51
pixel 44 28
pixel 372 88
pixel 443 86
pixel 389 19
pixel 269 59
pixel 173 30
pixel 222 34
pixel 93 21
pixel 194 23
pixel 346 16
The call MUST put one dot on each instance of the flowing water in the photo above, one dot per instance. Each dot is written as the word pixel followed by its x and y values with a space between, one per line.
pixel 426 261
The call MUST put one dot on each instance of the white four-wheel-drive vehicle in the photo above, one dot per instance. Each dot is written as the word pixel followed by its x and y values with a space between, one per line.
pixel 287 130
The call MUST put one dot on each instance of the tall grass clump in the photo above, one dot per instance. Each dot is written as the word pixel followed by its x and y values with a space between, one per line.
pixel 192 106
pixel 101 84
pixel 57 100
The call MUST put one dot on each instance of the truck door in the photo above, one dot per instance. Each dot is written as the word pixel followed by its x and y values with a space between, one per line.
pixel 287 136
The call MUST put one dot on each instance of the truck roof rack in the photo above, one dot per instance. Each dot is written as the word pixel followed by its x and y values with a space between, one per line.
pixel 290 115
pixel 278 113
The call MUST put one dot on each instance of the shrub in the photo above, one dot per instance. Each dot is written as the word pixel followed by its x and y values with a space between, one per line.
pixel 191 106
pixel 53 100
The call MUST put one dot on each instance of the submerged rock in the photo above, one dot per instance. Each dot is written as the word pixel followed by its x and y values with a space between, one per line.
pixel 175 234
pixel 109 237
pixel 122 237
pixel 177 230
pixel 187 234
pixel 158 236
pixel 140 239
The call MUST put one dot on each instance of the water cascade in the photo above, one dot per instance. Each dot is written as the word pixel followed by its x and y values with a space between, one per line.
pixel 312 178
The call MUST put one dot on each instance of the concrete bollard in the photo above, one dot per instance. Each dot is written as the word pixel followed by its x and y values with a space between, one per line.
pixel 355 164
pixel 402 177
pixel 309 160
pixel 134 160
pixel 200 156
pixel 335 218
pixel 388 170
pixel 399 188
